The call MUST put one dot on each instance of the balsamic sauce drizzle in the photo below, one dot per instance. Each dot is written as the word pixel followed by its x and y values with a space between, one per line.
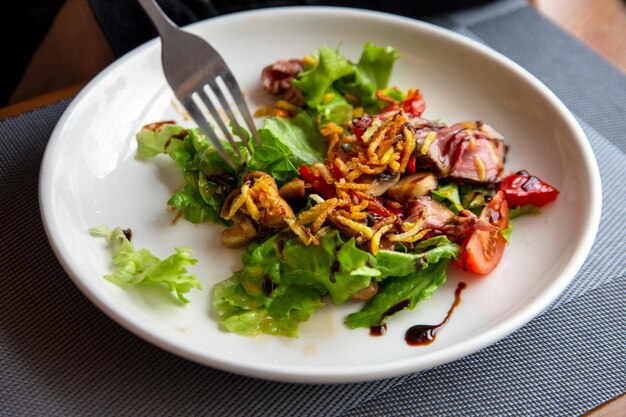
pixel 420 334
pixel 128 233
pixel 423 334
pixel 269 286
pixel 380 329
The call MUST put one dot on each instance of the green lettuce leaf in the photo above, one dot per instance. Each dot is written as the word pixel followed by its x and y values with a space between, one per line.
pixel 407 278
pixel 377 62
pixel 315 83
pixel 405 291
pixel 208 179
pixel 506 233
pixel 283 280
pixel 372 73
pixel 260 299
pixel 474 198
pixel 393 263
pixel 297 276
pixel 287 144
pixel 335 73
pixel 448 194
pixel 150 143
pixel 142 267
pixel 334 267
pixel 279 315
pixel 522 210
pixel 336 110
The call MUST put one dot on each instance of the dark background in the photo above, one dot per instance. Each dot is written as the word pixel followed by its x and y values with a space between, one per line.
pixel 25 23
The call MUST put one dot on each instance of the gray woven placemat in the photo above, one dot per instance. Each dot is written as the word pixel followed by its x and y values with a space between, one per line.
pixel 59 355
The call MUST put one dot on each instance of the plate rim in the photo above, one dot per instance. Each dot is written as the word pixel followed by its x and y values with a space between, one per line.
pixel 336 374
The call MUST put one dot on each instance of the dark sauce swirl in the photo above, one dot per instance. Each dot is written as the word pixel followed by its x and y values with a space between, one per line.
pixel 423 334
pixel 381 328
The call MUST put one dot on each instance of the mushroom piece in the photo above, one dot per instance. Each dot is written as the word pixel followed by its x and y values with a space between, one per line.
pixel 269 209
pixel 367 292
pixel 412 186
pixel 380 183
pixel 274 209
pixel 293 190
pixel 239 235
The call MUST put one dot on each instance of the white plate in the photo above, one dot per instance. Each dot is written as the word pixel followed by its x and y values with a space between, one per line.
pixel 89 177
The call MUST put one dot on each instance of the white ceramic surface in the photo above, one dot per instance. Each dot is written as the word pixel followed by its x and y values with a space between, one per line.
pixel 89 177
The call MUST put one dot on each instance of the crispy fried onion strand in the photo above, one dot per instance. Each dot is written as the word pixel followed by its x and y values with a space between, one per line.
pixel 385 147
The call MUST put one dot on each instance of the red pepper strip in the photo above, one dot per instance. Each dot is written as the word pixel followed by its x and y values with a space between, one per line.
pixel 395 210
pixel 318 184
pixel 377 208
pixel 410 166
pixel 337 171
pixel 414 105
pixel 522 189
pixel 380 207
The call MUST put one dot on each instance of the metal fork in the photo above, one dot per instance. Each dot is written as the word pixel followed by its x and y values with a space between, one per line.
pixel 192 67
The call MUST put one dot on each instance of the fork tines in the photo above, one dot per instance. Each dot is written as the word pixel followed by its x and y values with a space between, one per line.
pixel 200 103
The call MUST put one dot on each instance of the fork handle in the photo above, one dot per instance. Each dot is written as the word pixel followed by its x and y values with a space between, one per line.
pixel 160 20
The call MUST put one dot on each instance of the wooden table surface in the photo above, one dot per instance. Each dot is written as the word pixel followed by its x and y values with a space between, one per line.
pixel 601 24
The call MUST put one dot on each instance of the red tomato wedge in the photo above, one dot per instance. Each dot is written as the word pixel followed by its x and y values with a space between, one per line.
pixel 522 189
pixel 483 249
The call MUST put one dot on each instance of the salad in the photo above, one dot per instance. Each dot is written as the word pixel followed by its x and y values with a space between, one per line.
pixel 353 196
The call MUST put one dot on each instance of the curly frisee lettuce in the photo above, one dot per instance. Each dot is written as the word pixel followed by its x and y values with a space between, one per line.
pixel 135 267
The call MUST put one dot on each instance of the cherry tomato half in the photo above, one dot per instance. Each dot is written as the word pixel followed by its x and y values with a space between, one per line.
pixel 483 249
pixel 521 189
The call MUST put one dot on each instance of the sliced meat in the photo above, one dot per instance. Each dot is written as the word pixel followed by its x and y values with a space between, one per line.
pixel 277 77
pixel 477 158
pixel 431 149
pixel 411 186
pixel 434 214
pixel 468 151
pixel 463 224
pixel 421 123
